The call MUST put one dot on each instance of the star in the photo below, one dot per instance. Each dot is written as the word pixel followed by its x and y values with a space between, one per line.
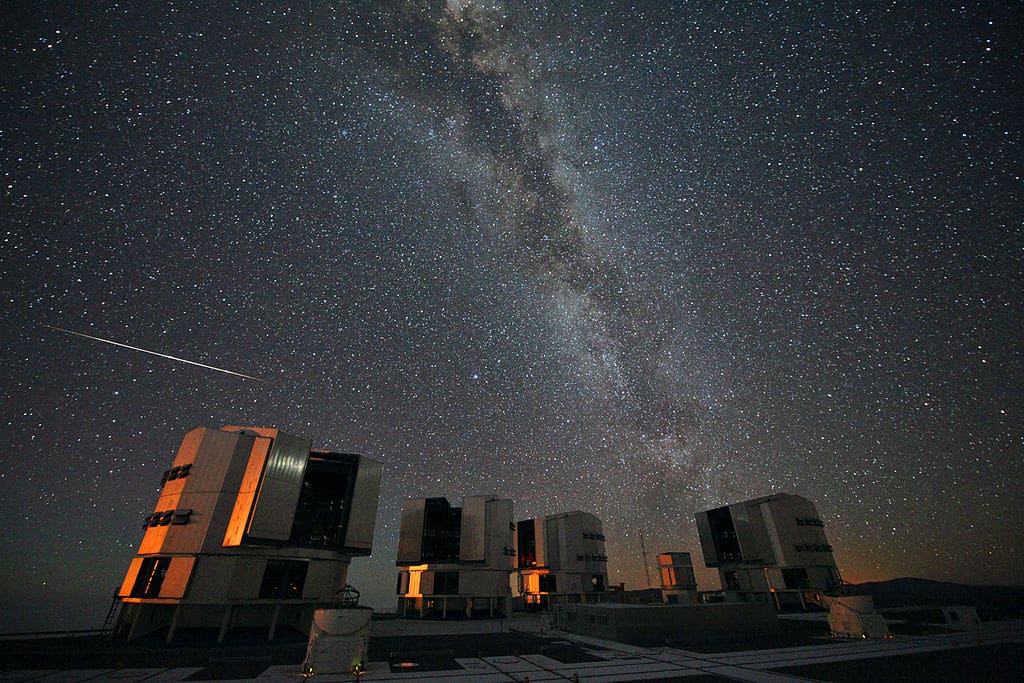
pixel 634 261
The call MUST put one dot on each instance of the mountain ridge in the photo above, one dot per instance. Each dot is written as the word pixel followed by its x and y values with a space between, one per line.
pixel 996 601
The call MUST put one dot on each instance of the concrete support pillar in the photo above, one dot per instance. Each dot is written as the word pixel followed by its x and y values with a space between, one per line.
pixel 174 623
pixel 137 612
pixel 225 624
pixel 273 623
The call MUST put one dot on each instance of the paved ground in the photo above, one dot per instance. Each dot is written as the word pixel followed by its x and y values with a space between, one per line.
pixel 992 653
pixel 999 662
pixel 467 655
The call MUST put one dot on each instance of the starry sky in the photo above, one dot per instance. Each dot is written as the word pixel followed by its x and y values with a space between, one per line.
pixel 638 259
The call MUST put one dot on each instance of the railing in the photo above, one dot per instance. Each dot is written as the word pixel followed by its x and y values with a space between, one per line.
pixel 38 635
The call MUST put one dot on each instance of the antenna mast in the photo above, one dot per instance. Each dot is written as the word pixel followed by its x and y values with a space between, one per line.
pixel 643 551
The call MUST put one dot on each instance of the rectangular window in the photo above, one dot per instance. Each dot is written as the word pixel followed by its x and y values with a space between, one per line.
pixel 176 473
pixel 723 535
pixel 181 516
pixel 796 578
pixel 833 577
pixel 668 577
pixel 442 530
pixel 446 583
pixel 321 514
pixel 150 577
pixel 526 537
pixel 284 579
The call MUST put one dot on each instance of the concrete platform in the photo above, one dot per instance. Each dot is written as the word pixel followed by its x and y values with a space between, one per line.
pixel 489 652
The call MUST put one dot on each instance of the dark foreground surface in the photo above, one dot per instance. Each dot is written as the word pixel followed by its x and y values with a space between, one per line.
pixel 1001 662
pixel 246 656
pixel 241 655
pixel 438 653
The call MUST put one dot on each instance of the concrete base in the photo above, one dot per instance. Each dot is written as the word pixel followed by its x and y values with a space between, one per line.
pixel 658 623
pixel 338 640
pixel 854 616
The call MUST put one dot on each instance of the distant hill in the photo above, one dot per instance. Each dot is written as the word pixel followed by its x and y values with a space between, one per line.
pixel 994 602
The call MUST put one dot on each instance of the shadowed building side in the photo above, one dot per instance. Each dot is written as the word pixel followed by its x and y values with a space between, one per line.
pixel 252 528
pixel 561 559
pixel 770 549
pixel 455 561
pixel 678 582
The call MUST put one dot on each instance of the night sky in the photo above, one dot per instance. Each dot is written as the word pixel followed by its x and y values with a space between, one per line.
pixel 634 259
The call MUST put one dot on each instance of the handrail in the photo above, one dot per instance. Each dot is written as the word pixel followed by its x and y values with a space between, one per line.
pixel 73 633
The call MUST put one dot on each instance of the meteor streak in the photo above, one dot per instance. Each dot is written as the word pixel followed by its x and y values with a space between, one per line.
pixel 156 353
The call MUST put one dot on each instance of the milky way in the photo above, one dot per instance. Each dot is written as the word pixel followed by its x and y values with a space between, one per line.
pixel 633 260
pixel 464 64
